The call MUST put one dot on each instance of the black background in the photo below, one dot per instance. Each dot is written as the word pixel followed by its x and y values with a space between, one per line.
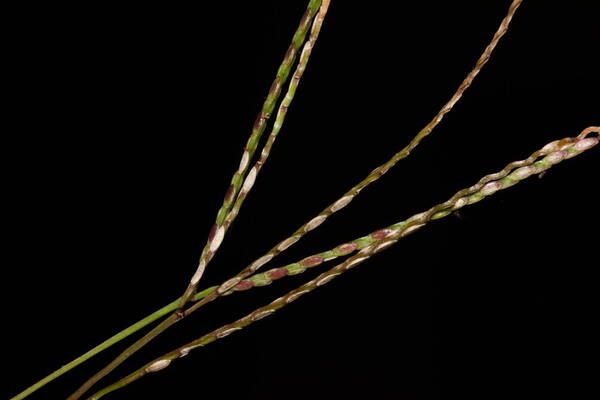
pixel 124 126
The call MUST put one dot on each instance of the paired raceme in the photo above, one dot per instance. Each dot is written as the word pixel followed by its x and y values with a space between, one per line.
pixel 281 113
pixel 550 155
pixel 219 228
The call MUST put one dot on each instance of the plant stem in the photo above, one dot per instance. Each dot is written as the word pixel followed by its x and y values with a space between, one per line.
pixel 219 228
pixel 109 342
pixel 551 154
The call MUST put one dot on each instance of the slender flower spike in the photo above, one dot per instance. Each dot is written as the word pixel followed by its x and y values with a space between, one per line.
pixel 240 185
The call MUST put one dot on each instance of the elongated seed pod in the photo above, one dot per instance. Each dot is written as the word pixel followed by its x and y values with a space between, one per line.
pixel 240 180
pixel 551 154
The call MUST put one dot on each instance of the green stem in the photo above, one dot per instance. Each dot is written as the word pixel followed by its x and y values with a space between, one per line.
pixel 169 308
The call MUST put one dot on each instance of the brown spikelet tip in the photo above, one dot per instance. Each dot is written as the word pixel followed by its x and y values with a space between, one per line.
pixel 212 233
pixel 229 193
pixel 274 87
pixel 258 122
pixel 564 142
